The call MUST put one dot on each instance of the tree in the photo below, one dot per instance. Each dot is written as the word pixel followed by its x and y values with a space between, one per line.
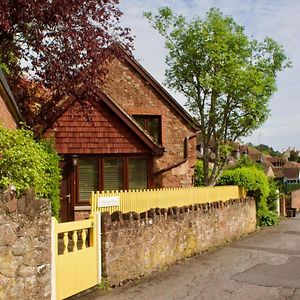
pixel 226 77
pixel 294 156
pixel 266 149
pixel 57 45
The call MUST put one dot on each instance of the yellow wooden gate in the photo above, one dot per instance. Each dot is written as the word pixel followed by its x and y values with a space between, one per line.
pixel 76 258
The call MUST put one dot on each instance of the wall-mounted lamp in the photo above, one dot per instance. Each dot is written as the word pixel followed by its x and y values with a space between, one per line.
pixel 75 161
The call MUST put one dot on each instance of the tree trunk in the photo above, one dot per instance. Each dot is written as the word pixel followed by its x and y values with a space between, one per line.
pixel 206 164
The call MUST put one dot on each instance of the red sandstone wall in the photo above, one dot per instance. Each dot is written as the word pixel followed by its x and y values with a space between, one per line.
pixel 136 96
pixel 6 118
pixel 296 199
pixel 137 244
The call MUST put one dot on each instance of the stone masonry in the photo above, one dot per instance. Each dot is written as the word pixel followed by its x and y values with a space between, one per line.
pixel 295 201
pixel 136 96
pixel 25 247
pixel 134 244
pixel 6 118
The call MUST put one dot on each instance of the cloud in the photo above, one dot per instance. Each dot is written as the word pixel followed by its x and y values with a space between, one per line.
pixel 278 19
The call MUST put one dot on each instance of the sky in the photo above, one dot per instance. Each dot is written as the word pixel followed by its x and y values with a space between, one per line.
pixel 277 19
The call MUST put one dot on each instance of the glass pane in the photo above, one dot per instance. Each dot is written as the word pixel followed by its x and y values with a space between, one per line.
pixel 154 128
pixel 140 120
pixel 113 174
pixel 152 124
pixel 137 169
pixel 88 178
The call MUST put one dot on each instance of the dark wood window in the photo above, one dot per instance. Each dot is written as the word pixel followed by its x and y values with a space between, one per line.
pixel 151 124
pixel 137 173
pixel 110 173
pixel 113 174
pixel 88 178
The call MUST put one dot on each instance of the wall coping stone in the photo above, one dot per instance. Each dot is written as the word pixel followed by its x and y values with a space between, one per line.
pixel 118 218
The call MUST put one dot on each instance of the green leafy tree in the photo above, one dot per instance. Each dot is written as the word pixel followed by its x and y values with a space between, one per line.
pixel 294 156
pixel 226 77
pixel 199 174
pixel 26 163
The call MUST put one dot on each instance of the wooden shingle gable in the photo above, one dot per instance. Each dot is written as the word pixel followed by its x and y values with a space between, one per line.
pixel 102 122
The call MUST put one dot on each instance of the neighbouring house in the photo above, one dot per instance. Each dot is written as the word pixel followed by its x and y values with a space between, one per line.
pixel 136 137
pixel 278 161
pixel 10 116
pixel 239 150
pixel 287 175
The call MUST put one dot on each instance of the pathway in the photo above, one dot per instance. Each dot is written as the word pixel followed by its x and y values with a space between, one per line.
pixel 261 266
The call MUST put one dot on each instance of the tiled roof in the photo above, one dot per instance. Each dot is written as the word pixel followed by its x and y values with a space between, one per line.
pixel 288 172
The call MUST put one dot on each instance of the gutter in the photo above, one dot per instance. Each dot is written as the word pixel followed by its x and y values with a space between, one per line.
pixel 185 156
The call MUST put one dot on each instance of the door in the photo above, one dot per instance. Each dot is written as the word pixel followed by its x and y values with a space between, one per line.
pixel 66 211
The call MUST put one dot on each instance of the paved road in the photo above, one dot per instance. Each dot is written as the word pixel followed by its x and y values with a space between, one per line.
pixel 262 266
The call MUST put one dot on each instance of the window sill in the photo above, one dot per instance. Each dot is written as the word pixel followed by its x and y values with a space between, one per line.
pixel 82 208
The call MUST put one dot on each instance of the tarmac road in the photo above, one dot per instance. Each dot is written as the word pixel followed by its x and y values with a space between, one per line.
pixel 262 266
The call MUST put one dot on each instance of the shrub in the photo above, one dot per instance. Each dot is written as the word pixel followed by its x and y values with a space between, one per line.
pixel 26 163
pixel 257 185
pixel 267 217
pixel 273 195
pixel 199 174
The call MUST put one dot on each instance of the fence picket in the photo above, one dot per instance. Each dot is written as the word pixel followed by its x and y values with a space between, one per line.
pixel 143 200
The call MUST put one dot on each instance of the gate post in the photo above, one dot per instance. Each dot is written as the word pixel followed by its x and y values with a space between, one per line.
pixel 97 216
pixel 54 253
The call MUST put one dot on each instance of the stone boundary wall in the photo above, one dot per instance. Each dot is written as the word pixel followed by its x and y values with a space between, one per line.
pixel 295 199
pixel 135 244
pixel 25 247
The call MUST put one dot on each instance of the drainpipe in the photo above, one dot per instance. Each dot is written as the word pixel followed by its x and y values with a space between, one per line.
pixel 185 156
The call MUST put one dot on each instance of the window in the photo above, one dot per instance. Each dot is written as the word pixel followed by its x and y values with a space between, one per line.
pixel 88 178
pixel 113 174
pixel 110 173
pixel 151 124
pixel 137 173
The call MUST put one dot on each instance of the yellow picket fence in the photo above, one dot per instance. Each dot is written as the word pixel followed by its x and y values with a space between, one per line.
pixel 143 200
pixel 75 256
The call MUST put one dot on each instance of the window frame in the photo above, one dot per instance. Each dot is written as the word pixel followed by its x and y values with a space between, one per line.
pixel 146 124
pixel 100 159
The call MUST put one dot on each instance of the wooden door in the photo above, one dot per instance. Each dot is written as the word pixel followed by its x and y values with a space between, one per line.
pixel 66 210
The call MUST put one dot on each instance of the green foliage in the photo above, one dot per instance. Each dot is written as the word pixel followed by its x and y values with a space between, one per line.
pixel 4 68
pixel 199 174
pixel 226 77
pixel 267 217
pixel 273 195
pixel 251 178
pixel 104 285
pixel 26 163
pixel 244 161
pixel 294 156
pixel 266 149
pixel 289 187
pixel 258 186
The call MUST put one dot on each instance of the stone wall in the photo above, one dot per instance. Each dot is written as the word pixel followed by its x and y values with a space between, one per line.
pixel 25 247
pixel 295 201
pixel 137 244
pixel 137 97
pixel 6 118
